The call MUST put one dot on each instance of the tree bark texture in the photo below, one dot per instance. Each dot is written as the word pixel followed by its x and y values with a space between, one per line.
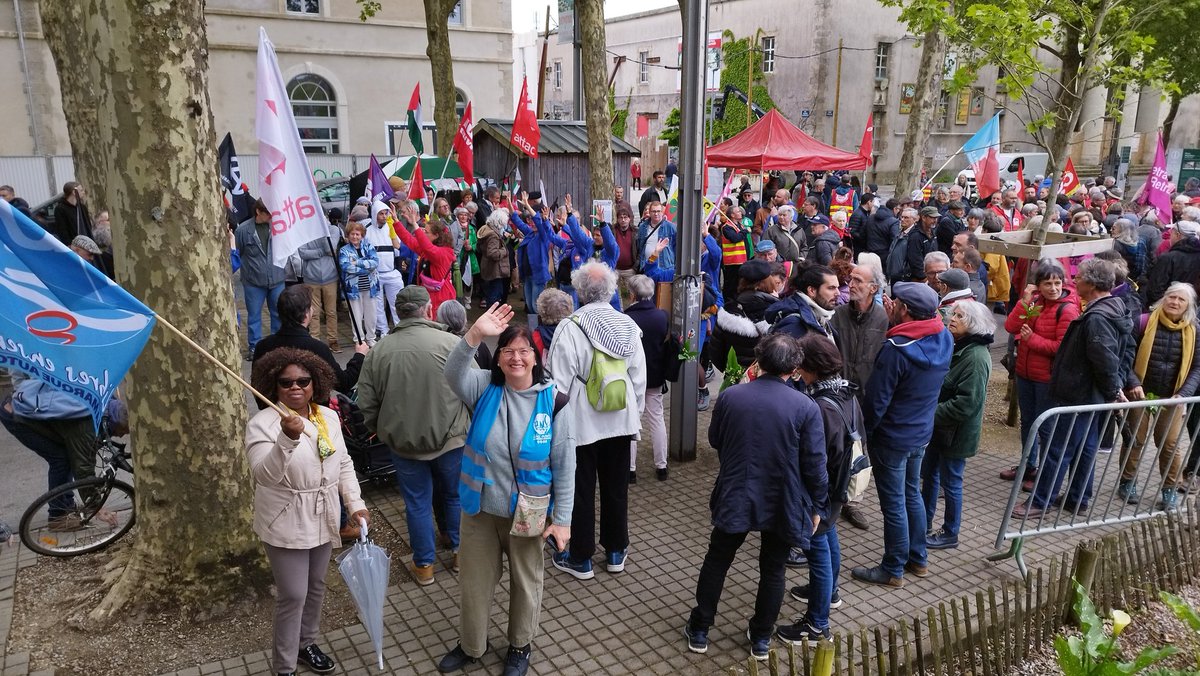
pixel 1169 122
pixel 78 73
pixel 590 15
pixel 194 546
pixel 920 120
pixel 437 31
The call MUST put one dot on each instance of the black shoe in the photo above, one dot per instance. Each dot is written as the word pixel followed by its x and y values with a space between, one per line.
pixel 315 659
pixel 801 631
pixel 290 673
pixel 632 477
pixel 876 575
pixel 800 593
pixel 517 662
pixel 662 473
pixel 796 558
pixel 854 515
pixel 455 659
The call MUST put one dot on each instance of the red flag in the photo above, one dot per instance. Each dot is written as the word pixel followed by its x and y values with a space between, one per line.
pixel 1021 177
pixel 525 132
pixel 1070 180
pixel 416 186
pixel 464 146
pixel 643 126
pixel 868 139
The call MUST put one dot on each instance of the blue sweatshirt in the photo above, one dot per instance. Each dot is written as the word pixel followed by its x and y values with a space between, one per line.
pixel 902 394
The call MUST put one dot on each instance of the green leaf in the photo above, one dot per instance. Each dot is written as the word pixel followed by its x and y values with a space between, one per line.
pixel 1147 657
pixel 1069 652
pixel 1182 609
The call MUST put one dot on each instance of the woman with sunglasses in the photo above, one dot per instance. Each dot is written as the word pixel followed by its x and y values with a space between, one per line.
pixel 300 465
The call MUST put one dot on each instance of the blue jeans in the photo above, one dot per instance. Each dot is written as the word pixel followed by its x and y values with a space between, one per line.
pixel 415 479
pixel 1033 398
pixel 255 297
pixel 945 474
pixel 897 478
pixel 532 291
pixel 824 559
pixel 493 291
pixel 58 460
pixel 1074 443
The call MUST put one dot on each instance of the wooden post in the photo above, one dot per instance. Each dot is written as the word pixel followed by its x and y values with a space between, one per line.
pixel 934 647
pixel 865 648
pixel 850 671
pixel 893 653
pixel 880 665
pixel 985 655
pixel 823 660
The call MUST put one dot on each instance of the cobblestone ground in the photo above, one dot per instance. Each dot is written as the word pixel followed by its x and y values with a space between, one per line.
pixel 631 623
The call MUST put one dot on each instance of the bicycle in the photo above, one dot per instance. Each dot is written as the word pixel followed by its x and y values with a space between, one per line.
pixel 102 513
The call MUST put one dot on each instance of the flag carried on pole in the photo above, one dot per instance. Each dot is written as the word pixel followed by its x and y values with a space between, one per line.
pixel 416 186
pixel 284 180
pixel 525 132
pixel 868 139
pixel 414 121
pixel 61 319
pixel 1070 179
pixel 712 215
pixel 241 204
pixel 673 199
pixel 982 152
pixel 464 145
pixel 378 186
pixel 1156 193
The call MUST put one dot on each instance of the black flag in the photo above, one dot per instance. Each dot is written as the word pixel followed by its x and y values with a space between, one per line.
pixel 238 202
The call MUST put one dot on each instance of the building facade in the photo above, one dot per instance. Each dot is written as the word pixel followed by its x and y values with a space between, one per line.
pixel 828 67
pixel 349 81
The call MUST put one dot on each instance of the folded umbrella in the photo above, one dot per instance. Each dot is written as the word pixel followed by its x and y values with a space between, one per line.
pixel 365 568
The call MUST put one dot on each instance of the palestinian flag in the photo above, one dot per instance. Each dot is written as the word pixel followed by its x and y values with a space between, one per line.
pixel 414 121
pixel 673 199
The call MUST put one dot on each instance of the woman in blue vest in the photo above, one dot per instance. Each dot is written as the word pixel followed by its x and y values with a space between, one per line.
pixel 517 485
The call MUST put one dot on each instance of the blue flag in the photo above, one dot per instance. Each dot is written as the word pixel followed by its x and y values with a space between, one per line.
pixel 378 188
pixel 61 319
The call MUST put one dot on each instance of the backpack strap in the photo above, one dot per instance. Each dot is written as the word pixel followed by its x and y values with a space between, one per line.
pixel 560 401
pixel 850 429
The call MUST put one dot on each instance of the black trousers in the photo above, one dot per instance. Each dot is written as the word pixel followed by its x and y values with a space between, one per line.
pixel 729 282
pixel 772 557
pixel 608 461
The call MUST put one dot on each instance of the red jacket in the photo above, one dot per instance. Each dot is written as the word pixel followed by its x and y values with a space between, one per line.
pixel 1035 356
pixel 441 264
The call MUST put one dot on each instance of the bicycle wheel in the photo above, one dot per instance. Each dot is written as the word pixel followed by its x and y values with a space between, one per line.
pixel 103 511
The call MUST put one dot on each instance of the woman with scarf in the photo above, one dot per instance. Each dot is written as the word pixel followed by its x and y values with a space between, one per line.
pixel 957 420
pixel 517 485
pixel 1167 365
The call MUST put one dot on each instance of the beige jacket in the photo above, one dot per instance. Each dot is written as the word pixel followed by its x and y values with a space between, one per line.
pixel 295 493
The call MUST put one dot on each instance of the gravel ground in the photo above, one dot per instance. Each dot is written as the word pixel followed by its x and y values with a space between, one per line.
pixel 54 596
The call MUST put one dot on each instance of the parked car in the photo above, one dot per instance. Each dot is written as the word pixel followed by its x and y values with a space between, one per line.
pixel 43 214
pixel 335 193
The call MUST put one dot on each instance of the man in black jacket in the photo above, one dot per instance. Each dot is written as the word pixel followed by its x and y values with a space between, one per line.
pixel 882 228
pixel 950 225
pixel 295 311
pixel 1091 367
pixel 920 242
pixel 71 218
pixel 653 323
pixel 857 225
pixel 1181 263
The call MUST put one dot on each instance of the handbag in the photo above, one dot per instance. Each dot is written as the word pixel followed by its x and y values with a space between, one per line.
pixel 429 282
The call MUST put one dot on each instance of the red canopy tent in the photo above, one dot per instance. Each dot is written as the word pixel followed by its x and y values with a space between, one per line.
pixel 775 143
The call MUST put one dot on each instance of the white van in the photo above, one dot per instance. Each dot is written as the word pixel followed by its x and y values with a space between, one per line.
pixel 1035 165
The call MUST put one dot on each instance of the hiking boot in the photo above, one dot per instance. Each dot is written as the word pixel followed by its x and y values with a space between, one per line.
pixel 854 515
pixel 516 663
pixel 580 571
pixel 760 648
pixel 422 574
pixel 314 659
pixel 1127 490
pixel 455 660
pixel 876 575
pixel 697 639
pixel 800 593
pixel 796 558
pixel 1170 499
pixel 917 570
pixel 801 631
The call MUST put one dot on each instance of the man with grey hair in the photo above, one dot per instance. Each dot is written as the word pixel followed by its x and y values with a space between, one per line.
pixel 408 404
pixel 936 263
pixel 788 236
pixel 1091 366
pixel 860 326
pixel 654 324
pixel 597 358
pixel 1179 264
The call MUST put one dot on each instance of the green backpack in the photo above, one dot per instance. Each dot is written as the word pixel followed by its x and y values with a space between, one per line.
pixel 606 381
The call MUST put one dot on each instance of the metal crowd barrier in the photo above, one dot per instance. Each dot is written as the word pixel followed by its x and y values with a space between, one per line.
pixel 1130 439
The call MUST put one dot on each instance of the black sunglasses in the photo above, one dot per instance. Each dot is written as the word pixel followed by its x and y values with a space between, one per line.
pixel 288 383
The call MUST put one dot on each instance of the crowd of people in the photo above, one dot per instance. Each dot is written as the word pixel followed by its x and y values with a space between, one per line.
pixel 853 331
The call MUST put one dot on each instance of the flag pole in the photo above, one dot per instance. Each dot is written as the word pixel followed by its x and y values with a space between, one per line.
pixel 947 163
pixel 349 309
pixel 447 163
pixel 261 397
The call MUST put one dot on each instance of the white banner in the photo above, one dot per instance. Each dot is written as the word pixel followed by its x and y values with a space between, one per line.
pixel 285 183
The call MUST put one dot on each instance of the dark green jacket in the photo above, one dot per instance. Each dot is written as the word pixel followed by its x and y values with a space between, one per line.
pixel 958 419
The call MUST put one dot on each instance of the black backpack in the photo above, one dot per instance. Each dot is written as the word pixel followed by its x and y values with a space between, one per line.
pixel 895 266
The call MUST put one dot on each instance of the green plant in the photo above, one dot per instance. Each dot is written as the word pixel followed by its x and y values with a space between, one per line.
pixel 686 353
pixel 619 117
pixel 1094 653
pixel 1182 609
pixel 733 370
pixel 670 128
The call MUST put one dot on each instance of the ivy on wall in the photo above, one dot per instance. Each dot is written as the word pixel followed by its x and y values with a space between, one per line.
pixel 619 116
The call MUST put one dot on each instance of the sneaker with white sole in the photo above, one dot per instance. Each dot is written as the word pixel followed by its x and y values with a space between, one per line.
pixel 615 561
pixel 760 648
pixel 580 571
pixel 697 639
pixel 800 593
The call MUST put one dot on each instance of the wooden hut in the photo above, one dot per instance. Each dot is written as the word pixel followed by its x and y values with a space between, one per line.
pixel 561 164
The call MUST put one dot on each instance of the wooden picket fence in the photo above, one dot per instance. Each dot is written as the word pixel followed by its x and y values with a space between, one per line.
pixel 992 632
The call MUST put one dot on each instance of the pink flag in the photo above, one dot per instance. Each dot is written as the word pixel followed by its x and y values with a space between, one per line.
pixel 1157 193
pixel 285 183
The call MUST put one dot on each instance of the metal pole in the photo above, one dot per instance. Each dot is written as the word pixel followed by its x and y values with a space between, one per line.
pixel 687 292
pixel 837 93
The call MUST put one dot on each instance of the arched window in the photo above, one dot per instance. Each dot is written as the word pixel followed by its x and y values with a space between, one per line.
pixel 315 107
pixel 460 102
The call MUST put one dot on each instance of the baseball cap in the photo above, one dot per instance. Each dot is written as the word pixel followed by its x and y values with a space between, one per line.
pixel 765 245
pixel 931 211
pixel 413 293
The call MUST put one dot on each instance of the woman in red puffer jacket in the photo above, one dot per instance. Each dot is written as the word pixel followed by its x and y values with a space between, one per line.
pixel 1038 323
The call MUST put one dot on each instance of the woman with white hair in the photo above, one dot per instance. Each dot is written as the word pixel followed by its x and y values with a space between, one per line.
pixel 957 420
pixel 1167 365
pixel 467 262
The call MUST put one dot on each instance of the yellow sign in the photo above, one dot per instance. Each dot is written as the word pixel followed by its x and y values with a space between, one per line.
pixel 963 109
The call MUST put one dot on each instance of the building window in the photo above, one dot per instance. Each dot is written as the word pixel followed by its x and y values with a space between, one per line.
pixel 460 102
pixel 943 110
pixel 557 74
pixel 304 6
pixel 315 108
pixel 644 67
pixel 882 51
pixel 768 54
pixel 456 14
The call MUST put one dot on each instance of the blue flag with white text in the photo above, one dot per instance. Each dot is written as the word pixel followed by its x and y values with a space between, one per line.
pixel 61 319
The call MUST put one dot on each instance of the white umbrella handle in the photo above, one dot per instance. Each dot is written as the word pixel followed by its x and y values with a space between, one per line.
pixel 362 533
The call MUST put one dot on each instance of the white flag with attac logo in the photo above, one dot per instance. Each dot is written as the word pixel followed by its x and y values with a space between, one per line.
pixel 285 183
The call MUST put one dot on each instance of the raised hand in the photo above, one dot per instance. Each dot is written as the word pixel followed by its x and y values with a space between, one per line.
pixel 490 323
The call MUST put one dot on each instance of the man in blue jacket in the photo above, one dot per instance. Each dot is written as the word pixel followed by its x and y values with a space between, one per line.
pixel 901 397
pixel 650 230
pixel 770 440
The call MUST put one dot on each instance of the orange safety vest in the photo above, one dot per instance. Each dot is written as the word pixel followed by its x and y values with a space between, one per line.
pixel 732 253
pixel 839 202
